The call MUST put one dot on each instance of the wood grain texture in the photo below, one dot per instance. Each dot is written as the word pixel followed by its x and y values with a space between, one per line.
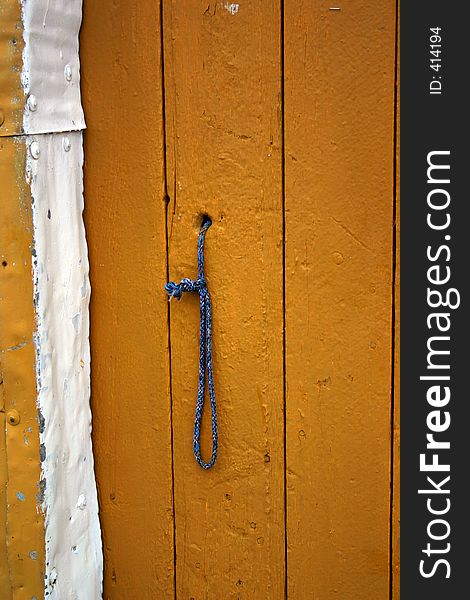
pixel 339 115
pixel 223 109
pixel 125 220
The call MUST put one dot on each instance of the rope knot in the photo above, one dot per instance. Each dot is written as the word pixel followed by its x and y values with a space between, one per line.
pixel 175 290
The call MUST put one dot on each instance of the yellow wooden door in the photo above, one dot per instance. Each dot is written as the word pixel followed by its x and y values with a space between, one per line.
pixel 278 120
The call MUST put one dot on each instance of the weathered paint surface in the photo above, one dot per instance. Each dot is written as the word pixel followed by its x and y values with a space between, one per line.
pixel 224 118
pixel 22 576
pixel 51 68
pixel 125 219
pixel 339 116
pixel 61 556
pixel 39 66
pixel 62 293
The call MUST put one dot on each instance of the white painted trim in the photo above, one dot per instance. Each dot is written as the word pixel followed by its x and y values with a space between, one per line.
pixel 53 120
pixel 51 67
pixel 74 561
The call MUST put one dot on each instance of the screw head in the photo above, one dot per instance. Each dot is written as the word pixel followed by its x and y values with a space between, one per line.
pixel 34 150
pixel 66 144
pixel 32 103
pixel 13 417
pixel 68 72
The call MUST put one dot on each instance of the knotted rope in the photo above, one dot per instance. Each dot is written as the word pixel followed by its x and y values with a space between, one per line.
pixel 175 290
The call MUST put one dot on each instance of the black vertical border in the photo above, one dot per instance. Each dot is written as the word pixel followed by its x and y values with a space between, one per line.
pixel 432 123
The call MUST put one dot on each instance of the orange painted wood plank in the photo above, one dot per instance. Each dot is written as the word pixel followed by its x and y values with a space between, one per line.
pixel 21 489
pixel 11 48
pixel 339 124
pixel 9 82
pixel 125 220
pixel 223 109
pixel 5 589
pixel 21 523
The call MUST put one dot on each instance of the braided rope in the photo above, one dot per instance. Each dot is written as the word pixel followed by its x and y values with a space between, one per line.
pixel 175 290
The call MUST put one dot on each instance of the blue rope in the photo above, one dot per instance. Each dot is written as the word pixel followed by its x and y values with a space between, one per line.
pixel 175 290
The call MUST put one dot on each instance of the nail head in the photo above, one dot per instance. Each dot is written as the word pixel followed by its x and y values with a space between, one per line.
pixel 13 417
pixel 32 103
pixel 35 151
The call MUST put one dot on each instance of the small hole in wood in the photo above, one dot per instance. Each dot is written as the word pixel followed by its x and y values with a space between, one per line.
pixel 202 219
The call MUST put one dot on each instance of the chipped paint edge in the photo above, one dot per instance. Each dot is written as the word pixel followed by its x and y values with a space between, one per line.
pixel 74 562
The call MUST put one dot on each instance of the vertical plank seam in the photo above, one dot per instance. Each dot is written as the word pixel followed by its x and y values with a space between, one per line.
pixel 166 200
pixel 284 363
pixel 393 316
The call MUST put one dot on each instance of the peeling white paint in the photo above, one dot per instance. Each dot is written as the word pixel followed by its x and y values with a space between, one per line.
pixel 52 121
pixel 61 295
pixel 51 68
pixel 232 8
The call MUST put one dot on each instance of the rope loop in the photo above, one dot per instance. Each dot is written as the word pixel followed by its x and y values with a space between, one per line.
pixel 199 285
